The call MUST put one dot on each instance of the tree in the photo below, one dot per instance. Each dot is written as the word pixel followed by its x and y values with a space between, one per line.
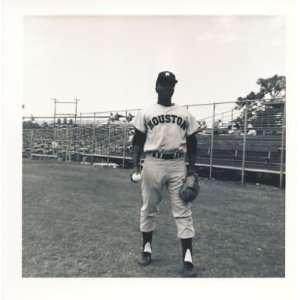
pixel 70 121
pixel 30 125
pixel 58 121
pixel 265 110
pixel 45 125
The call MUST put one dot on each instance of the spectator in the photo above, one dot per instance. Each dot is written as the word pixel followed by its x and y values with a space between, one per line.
pixel 230 129
pixel 117 117
pixel 236 129
pixel 251 130
pixel 217 125
pixel 130 136
pixel 203 125
pixel 54 144
pixel 111 117
pixel 129 117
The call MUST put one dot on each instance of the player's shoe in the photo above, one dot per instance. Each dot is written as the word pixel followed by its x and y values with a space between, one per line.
pixel 188 270
pixel 145 259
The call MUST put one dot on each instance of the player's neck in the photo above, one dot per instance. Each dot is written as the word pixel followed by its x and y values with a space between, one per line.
pixel 164 101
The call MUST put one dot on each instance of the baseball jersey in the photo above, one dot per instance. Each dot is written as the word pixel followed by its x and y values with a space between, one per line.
pixel 166 127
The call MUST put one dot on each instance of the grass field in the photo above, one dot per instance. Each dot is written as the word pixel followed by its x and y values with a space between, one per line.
pixel 82 221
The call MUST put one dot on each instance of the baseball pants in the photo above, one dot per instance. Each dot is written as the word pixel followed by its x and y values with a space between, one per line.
pixel 156 175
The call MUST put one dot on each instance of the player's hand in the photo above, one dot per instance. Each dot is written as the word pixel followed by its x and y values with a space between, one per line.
pixel 137 167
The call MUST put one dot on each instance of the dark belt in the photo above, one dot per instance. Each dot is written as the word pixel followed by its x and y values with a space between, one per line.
pixel 165 155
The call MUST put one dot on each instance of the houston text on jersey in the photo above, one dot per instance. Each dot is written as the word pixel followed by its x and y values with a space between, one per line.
pixel 167 119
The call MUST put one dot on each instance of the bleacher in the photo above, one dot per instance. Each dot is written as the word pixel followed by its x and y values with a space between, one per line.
pixel 262 152
pixel 96 141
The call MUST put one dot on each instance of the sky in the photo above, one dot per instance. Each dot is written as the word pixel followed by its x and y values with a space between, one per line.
pixel 111 62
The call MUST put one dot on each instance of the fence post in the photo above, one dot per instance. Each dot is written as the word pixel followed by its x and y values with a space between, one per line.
pixel 31 142
pixel 94 133
pixel 282 147
pixel 55 143
pixel 124 144
pixel 70 141
pixel 66 143
pixel 55 133
pixel 212 141
pixel 81 126
pixel 55 136
pixel 244 146
pixel 108 152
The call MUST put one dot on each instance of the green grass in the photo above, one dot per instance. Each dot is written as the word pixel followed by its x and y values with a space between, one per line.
pixel 83 221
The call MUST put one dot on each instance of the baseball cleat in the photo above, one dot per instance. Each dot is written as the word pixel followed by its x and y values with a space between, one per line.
pixel 188 270
pixel 145 259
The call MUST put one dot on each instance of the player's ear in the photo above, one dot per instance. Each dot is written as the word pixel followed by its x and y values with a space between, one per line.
pixel 157 88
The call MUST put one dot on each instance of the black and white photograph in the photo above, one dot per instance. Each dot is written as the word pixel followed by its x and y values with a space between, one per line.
pixel 154 146
pixel 148 150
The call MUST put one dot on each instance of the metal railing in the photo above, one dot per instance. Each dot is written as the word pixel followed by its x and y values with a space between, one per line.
pixel 248 139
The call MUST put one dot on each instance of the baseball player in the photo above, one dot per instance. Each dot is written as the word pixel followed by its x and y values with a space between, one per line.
pixel 165 134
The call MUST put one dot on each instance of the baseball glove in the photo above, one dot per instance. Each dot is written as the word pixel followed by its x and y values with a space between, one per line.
pixel 190 187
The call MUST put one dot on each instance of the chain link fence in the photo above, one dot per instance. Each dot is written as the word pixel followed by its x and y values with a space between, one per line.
pixel 247 138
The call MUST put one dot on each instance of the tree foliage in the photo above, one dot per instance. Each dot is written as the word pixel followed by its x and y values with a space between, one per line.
pixel 30 125
pixel 45 124
pixel 266 106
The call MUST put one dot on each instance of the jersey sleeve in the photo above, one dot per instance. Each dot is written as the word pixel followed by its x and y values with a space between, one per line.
pixel 193 125
pixel 139 121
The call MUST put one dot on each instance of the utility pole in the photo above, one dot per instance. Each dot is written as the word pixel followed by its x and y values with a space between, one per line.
pixel 54 119
pixel 76 104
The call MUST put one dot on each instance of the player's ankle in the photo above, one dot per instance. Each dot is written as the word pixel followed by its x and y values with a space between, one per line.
pixel 147 242
pixel 187 250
